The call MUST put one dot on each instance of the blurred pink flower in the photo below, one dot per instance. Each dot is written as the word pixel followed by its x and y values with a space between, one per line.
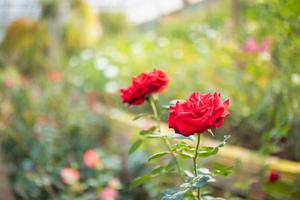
pixel 228 24
pixel 114 183
pixel 8 83
pixel 108 193
pixel 69 175
pixel 91 158
pixel 250 45
pixel 265 45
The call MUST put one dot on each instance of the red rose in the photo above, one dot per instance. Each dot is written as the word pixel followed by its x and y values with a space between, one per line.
pixel 91 158
pixel 198 114
pixel 273 176
pixel 143 85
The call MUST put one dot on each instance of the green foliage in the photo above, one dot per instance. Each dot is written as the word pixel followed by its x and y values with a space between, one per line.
pixel 114 23
pixel 25 45
pixel 135 146
pixel 158 155
pixel 140 180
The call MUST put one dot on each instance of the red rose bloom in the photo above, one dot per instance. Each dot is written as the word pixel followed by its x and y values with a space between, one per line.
pixel 273 176
pixel 198 114
pixel 142 86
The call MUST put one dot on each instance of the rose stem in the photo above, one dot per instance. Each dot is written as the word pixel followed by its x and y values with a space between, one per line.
pixel 195 165
pixel 165 139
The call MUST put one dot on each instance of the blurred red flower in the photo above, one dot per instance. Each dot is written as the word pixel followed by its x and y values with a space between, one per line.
pixel 8 83
pixel 91 158
pixel 265 45
pixel 198 114
pixel 69 175
pixel 273 176
pixel 250 45
pixel 142 86
pixel 108 193
pixel 54 76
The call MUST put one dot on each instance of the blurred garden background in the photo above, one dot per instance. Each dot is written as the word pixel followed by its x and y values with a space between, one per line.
pixel 62 64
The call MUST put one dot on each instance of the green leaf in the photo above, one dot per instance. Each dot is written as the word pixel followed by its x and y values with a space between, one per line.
pixel 135 146
pixel 158 169
pixel 148 131
pixel 226 137
pixel 171 136
pixel 200 181
pixel 204 171
pixel 184 149
pixel 185 154
pixel 180 137
pixel 158 155
pixel 178 195
pixel 141 115
pixel 208 151
pixel 171 165
pixel 155 136
pixel 206 197
pixel 224 171
pixel 140 180
pixel 189 174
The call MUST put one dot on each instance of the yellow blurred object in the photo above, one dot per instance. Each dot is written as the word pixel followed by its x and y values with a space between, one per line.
pixel 83 29
pixel 25 45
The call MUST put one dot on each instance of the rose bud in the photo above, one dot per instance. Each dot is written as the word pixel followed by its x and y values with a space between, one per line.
pixel 91 158
pixel 108 193
pixel 273 176
pixel 198 114
pixel 69 175
pixel 142 86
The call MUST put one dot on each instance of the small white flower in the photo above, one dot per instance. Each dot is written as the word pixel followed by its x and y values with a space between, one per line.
pixel 86 54
pixel 111 87
pixel 111 71
pixel 101 63
pixel 295 78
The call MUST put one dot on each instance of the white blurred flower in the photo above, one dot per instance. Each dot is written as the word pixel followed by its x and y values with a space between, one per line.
pixel 111 71
pixel 137 49
pixel 78 81
pixel 150 35
pixel 101 63
pixel 162 42
pixel 295 78
pixel 73 62
pixel 111 87
pixel 178 54
pixel 265 56
pixel 86 54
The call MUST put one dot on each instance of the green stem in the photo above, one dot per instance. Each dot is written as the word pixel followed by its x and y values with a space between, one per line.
pixel 165 139
pixel 195 165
